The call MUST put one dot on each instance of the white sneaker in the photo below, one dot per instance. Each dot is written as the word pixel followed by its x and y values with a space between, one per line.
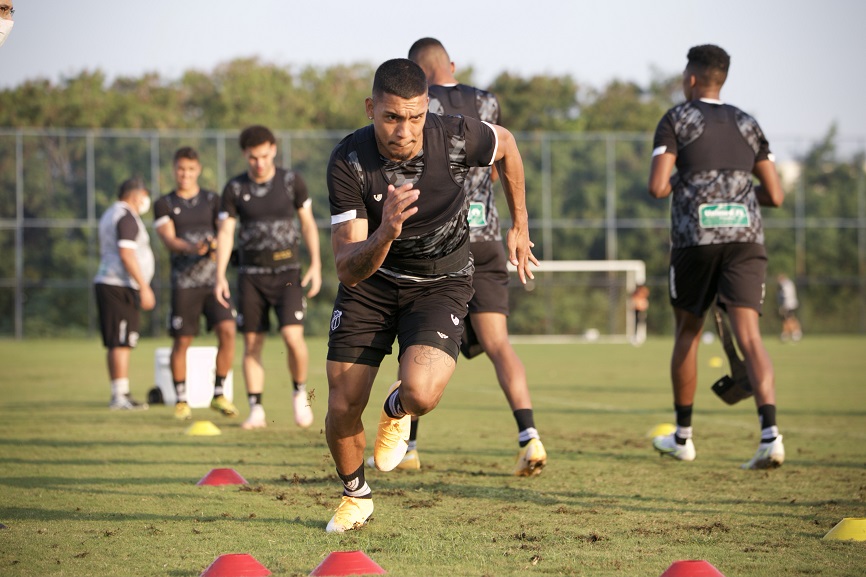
pixel 667 445
pixel 302 408
pixel 256 420
pixel 768 456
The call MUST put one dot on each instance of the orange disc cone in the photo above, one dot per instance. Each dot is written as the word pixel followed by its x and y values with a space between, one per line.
pixel 691 568
pixel 347 563
pixel 236 565
pixel 222 477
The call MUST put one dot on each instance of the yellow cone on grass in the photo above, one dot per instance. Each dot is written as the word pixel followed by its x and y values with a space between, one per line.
pixel 661 430
pixel 848 529
pixel 715 362
pixel 203 429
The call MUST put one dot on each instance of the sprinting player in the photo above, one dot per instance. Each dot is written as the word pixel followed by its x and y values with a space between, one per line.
pixel 186 221
pixel 487 329
pixel 400 234
pixel 266 200
pixel 788 305
pixel 717 240
pixel 122 284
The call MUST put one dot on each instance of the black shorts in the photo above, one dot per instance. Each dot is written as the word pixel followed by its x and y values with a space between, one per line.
pixel 188 304
pixel 369 316
pixel 491 278
pixel 119 315
pixel 257 293
pixel 732 274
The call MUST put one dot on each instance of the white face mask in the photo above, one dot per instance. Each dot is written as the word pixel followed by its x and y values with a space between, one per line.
pixel 144 206
pixel 5 29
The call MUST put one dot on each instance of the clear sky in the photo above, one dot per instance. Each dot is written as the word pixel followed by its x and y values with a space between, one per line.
pixel 797 65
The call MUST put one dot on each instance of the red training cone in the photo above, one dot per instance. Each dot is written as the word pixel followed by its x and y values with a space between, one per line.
pixel 222 477
pixel 347 563
pixel 236 565
pixel 691 568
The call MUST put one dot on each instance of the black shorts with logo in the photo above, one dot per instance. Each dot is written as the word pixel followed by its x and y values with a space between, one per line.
pixel 188 304
pixel 119 315
pixel 258 293
pixel 369 316
pixel 733 274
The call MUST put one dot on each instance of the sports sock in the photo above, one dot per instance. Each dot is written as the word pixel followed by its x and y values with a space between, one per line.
pixel 393 407
pixel 684 423
pixel 413 436
pixel 254 399
pixel 767 418
pixel 354 484
pixel 219 386
pixel 119 388
pixel 525 426
pixel 299 386
pixel 180 391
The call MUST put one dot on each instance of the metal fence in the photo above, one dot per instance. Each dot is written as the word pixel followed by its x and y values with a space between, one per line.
pixel 586 194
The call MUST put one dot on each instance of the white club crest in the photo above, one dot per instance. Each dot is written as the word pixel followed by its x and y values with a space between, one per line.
pixel 455 320
pixel 377 197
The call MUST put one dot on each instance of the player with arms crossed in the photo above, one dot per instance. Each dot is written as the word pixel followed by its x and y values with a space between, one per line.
pixel 186 221
pixel 487 329
pixel 717 240
pixel 400 234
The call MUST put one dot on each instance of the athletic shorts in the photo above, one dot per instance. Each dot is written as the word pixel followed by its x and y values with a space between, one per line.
pixel 258 293
pixel 119 315
pixel 732 274
pixel 369 316
pixel 491 278
pixel 188 304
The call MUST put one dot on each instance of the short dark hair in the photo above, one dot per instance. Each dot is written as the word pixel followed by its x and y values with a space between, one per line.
pixel 256 135
pixel 710 62
pixel 130 185
pixel 400 77
pixel 187 152
pixel 422 45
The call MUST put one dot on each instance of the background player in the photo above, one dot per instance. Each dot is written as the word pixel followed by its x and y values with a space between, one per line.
pixel 122 284
pixel 266 200
pixel 402 257
pixel 487 329
pixel 186 222
pixel 717 239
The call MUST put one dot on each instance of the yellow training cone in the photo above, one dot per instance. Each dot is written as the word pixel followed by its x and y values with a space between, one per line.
pixel 715 362
pixel 661 430
pixel 203 429
pixel 848 529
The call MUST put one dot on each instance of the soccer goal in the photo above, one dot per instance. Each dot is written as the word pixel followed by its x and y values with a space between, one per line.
pixel 577 301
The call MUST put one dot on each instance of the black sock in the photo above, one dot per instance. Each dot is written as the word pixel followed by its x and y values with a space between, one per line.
pixel 180 391
pixel 254 398
pixel 393 407
pixel 767 417
pixel 525 426
pixel 218 385
pixel 684 420
pixel 413 430
pixel 354 484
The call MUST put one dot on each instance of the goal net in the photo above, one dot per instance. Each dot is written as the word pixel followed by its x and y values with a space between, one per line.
pixel 577 301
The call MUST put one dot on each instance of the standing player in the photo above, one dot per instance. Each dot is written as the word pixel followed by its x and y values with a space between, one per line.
pixel 186 220
pixel 788 305
pixel 717 239
pixel 122 284
pixel 487 329
pixel 266 200
pixel 400 232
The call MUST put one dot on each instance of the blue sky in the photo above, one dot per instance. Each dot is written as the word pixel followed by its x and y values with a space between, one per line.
pixel 796 64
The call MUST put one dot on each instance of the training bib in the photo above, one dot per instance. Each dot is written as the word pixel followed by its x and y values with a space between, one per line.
pixel 724 215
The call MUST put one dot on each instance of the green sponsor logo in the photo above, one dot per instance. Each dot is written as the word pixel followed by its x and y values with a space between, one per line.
pixel 724 215
pixel 477 214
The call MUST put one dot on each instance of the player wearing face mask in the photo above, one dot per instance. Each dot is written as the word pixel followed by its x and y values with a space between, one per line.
pixel 122 284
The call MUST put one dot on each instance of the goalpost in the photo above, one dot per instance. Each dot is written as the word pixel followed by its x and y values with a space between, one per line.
pixel 573 301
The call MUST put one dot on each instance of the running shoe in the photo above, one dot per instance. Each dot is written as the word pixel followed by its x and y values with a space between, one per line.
pixel 127 403
pixel 667 445
pixel 256 420
pixel 224 406
pixel 302 408
pixel 182 412
pixel 352 513
pixel 768 456
pixel 411 461
pixel 531 459
pixel 392 438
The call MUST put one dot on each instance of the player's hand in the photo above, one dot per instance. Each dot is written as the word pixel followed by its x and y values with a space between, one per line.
pixel 148 299
pixel 397 208
pixel 313 279
pixel 520 253
pixel 221 292
pixel 201 248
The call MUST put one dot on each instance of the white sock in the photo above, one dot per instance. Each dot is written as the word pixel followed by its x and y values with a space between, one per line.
pixel 526 434
pixel 119 388
pixel 684 432
pixel 769 433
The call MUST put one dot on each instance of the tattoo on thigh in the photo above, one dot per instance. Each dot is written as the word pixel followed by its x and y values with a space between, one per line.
pixel 431 358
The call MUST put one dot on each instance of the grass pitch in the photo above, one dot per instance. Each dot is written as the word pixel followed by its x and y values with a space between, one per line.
pixel 86 491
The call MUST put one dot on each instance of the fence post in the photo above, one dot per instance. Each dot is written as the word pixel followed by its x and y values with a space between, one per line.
pixel 19 235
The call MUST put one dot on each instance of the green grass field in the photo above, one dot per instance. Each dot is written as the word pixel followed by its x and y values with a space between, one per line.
pixel 86 491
